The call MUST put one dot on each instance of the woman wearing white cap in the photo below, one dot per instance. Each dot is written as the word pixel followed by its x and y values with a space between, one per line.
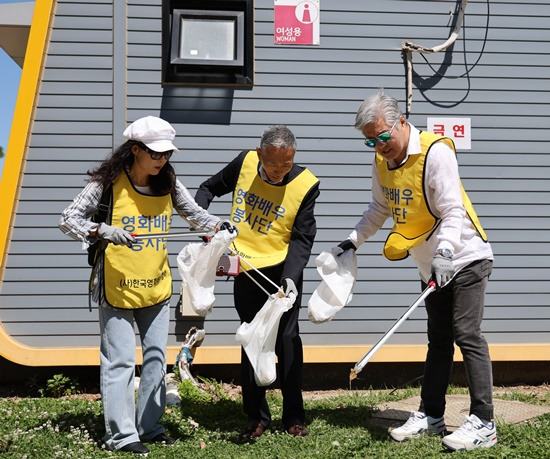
pixel 132 280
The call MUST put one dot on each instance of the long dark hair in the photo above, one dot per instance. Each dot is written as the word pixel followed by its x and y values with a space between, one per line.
pixel 122 158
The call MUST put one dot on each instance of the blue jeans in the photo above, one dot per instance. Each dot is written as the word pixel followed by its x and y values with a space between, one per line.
pixel 455 313
pixel 124 422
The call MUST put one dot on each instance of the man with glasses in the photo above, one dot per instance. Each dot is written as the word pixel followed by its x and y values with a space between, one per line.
pixel 415 180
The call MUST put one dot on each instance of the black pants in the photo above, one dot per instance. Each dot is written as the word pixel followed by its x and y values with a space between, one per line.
pixel 454 316
pixel 249 299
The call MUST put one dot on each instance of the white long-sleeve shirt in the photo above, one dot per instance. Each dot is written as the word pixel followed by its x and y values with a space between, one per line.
pixel 442 185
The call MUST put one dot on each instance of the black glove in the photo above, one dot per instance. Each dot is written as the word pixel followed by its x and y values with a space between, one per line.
pixel 290 289
pixel 227 225
pixel 116 235
pixel 346 245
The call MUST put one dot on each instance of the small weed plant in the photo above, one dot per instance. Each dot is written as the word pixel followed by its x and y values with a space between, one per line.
pixel 59 386
pixel 56 386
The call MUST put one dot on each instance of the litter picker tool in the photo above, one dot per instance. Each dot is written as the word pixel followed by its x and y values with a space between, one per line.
pixel 171 235
pixel 361 364
pixel 258 271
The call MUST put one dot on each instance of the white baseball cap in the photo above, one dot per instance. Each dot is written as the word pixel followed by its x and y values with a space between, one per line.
pixel 153 132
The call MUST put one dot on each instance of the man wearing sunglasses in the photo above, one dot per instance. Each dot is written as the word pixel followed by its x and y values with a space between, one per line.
pixel 415 180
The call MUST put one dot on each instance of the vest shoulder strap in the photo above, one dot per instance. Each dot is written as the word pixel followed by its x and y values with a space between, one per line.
pixel 104 205
pixel 100 216
pixel 427 139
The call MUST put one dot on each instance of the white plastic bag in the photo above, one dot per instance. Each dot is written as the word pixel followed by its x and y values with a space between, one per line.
pixel 259 336
pixel 338 274
pixel 197 265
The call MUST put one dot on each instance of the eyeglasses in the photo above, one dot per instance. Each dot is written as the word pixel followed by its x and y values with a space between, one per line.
pixel 384 137
pixel 156 155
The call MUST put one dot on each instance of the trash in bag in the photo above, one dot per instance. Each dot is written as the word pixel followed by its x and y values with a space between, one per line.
pixel 259 336
pixel 338 274
pixel 184 359
pixel 197 265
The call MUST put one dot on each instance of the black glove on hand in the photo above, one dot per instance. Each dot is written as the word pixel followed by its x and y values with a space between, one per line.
pixel 442 270
pixel 290 289
pixel 116 235
pixel 227 225
pixel 345 245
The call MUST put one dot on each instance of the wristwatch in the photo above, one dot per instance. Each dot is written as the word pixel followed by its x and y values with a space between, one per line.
pixel 444 253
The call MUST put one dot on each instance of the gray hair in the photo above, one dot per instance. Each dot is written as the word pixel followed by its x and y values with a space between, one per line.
pixel 278 136
pixel 377 106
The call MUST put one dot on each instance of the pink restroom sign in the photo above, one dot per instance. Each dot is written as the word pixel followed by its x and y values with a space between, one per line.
pixel 296 22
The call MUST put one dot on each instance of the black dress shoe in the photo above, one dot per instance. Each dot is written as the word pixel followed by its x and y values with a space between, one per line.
pixel 136 447
pixel 162 438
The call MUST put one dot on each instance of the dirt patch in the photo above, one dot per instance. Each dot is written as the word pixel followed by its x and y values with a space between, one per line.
pixel 541 392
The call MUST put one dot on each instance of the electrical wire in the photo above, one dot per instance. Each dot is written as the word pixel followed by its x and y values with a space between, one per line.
pixel 468 70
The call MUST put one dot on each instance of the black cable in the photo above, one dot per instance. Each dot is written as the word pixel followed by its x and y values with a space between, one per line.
pixel 467 73
pixel 468 70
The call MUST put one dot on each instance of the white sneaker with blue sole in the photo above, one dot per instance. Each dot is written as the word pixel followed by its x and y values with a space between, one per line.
pixel 474 433
pixel 419 424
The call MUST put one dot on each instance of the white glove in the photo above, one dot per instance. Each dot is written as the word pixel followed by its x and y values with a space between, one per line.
pixel 116 235
pixel 442 270
pixel 290 289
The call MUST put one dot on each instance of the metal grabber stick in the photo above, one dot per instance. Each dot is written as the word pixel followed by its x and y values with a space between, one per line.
pixel 361 364
pixel 171 235
pixel 234 252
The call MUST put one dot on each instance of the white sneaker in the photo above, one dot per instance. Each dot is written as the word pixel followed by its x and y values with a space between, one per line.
pixel 417 424
pixel 471 435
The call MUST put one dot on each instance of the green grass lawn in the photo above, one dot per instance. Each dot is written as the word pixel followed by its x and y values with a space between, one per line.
pixel 209 424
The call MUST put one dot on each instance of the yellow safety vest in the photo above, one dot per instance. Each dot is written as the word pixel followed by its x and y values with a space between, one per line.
pixel 265 213
pixel 403 187
pixel 140 276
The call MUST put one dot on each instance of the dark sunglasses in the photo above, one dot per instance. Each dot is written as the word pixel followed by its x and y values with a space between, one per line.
pixel 384 137
pixel 157 154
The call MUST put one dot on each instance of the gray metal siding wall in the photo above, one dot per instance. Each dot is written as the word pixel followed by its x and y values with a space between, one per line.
pixel 316 91
pixel 43 294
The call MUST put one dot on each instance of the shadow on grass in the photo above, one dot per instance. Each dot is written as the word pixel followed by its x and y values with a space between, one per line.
pixel 349 417
pixel 79 420
pixel 227 416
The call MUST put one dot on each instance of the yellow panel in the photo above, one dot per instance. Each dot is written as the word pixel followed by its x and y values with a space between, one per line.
pixel 22 120
pixel 34 356
pixel 388 353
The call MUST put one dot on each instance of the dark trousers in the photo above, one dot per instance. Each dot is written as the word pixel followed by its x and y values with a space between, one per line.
pixel 454 315
pixel 249 299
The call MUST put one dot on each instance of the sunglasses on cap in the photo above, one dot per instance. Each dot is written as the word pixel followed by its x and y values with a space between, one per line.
pixel 384 137
pixel 157 154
